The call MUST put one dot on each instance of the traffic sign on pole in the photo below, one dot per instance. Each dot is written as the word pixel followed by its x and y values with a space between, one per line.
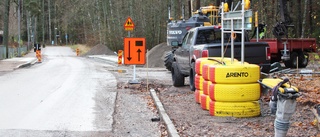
pixel 134 51
pixel 128 25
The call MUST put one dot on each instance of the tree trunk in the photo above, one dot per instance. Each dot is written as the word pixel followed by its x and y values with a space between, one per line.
pixel 104 11
pixel 6 26
pixel 310 17
pixel 55 24
pixel 19 27
pixel 28 28
pixel 49 10
pixel 43 22
pixel 112 26
pixel 299 21
pixel 85 32
pixel 99 21
pixel 304 18
pixel 35 40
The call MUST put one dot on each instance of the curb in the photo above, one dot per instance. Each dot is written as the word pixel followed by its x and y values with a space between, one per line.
pixel 116 63
pixel 103 59
pixel 172 132
pixel 26 64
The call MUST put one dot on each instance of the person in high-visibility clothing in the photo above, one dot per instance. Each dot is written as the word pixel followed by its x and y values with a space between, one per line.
pixel 262 30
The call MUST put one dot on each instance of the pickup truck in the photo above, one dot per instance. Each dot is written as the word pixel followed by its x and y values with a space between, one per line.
pixel 205 41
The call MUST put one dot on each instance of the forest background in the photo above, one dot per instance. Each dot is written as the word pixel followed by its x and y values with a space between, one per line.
pixel 93 22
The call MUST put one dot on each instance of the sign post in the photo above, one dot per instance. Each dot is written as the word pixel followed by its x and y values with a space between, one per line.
pixel 134 49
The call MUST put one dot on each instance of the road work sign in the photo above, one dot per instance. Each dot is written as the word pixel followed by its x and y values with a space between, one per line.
pixel 134 51
pixel 128 25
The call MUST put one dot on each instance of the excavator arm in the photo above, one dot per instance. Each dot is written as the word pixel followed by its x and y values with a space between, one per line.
pixel 280 29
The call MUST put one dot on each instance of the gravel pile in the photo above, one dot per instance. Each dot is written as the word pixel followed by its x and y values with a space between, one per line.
pixel 100 50
pixel 156 55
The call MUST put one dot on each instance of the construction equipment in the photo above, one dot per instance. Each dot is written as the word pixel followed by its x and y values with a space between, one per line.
pixel 292 51
pixel 176 29
pixel 204 16
pixel 282 103
pixel 281 27
pixel 212 12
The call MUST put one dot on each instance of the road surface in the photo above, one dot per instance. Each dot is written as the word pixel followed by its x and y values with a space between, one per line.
pixel 64 94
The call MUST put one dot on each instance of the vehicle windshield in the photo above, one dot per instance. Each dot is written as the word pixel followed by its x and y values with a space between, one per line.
pixel 211 36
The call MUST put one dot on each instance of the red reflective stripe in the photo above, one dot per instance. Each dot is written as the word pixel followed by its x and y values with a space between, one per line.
pixel 212 71
pixel 212 107
pixel 204 53
pixel 212 92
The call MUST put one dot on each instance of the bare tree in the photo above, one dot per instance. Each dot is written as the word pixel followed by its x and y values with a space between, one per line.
pixel 304 18
pixel 6 26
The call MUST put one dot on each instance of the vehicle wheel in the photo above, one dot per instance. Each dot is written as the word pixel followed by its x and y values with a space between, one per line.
pixel 288 64
pixel 234 92
pixel 293 59
pixel 303 59
pixel 292 63
pixel 234 109
pixel 168 59
pixel 192 77
pixel 177 77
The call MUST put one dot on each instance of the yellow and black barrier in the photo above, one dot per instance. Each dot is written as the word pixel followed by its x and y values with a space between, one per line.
pixel 227 88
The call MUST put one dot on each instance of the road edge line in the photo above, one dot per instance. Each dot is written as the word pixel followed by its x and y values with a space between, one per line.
pixel 172 132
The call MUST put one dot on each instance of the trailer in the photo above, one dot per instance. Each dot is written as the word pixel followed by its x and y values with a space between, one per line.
pixel 292 51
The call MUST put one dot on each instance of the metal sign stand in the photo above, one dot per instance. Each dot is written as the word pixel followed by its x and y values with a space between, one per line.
pixel 134 80
pixel 129 26
pixel 230 21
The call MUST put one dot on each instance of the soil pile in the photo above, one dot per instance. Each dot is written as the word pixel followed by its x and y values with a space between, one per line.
pixel 156 55
pixel 100 50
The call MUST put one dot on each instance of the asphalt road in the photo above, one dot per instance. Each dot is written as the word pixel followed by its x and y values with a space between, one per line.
pixel 63 95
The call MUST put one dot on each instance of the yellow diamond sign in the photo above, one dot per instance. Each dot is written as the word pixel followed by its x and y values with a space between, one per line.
pixel 128 25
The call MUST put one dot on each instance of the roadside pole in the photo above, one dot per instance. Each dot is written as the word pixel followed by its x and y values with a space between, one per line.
pixel 134 50
pixel 19 24
pixel 66 39
pixel 257 26
pixel 134 80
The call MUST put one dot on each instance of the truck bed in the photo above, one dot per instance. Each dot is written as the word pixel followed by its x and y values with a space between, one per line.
pixel 304 44
pixel 255 53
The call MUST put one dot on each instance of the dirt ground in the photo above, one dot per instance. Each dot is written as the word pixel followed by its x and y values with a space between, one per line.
pixel 191 120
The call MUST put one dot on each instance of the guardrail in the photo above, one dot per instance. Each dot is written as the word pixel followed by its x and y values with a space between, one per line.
pixel 12 52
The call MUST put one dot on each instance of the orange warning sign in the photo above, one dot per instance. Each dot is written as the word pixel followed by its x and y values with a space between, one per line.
pixel 134 51
pixel 128 25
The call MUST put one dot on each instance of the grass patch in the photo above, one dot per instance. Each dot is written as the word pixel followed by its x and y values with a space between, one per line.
pixel 83 48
